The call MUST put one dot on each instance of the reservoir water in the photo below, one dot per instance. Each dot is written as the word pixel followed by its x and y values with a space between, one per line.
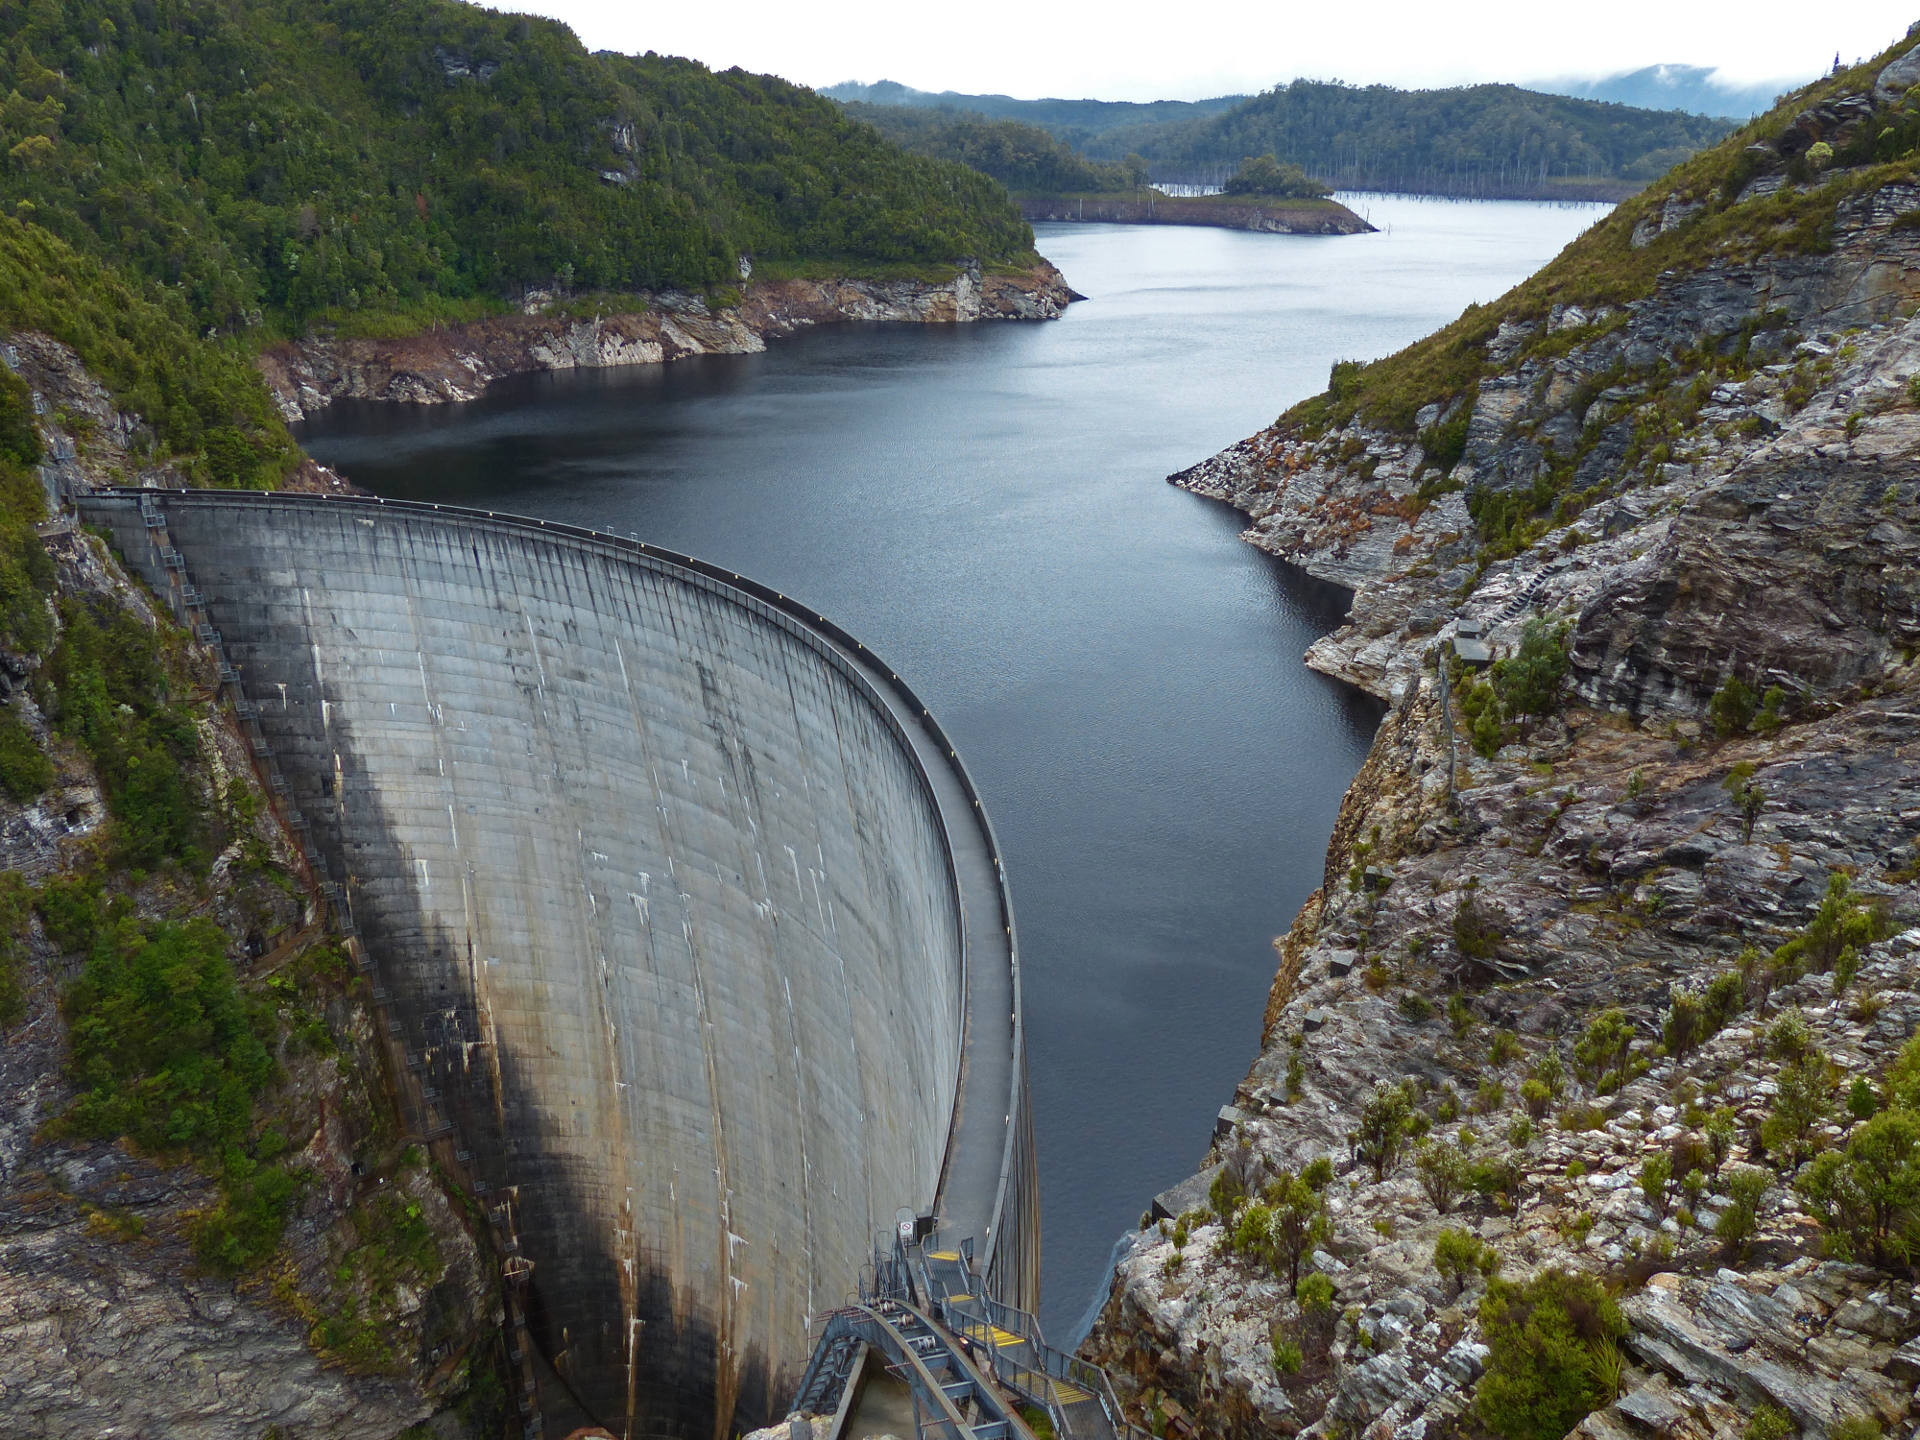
pixel 984 505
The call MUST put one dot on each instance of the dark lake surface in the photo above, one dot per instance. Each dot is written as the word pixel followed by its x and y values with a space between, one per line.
pixel 985 506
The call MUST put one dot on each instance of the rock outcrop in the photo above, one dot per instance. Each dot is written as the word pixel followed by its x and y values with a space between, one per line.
pixel 378 1308
pixel 457 362
pixel 1685 461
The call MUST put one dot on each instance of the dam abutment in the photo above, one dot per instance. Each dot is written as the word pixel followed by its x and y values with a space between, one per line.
pixel 690 919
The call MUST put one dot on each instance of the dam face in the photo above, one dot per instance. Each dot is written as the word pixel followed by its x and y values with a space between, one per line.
pixel 690 931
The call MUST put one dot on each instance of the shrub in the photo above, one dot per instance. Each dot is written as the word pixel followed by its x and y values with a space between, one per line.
pixel 1287 1358
pixel 1737 1223
pixel 1547 1340
pixel 1443 1173
pixel 1535 1096
pixel 1477 934
pixel 1799 1106
pixel 25 770
pixel 1725 995
pixel 1500 1176
pixel 1867 1198
pixel 1719 1131
pixel 1768 1422
pixel 114 697
pixel 1458 1255
pixel 1490 1097
pixel 1549 1072
pixel 1520 1132
pixel 1226 1192
pixel 1460 1016
pixel 167 1051
pixel 1503 1046
pixel 15 907
pixel 1855 1427
pixel 1656 1171
pixel 1384 1125
pixel 1732 708
pixel 1685 1023
pixel 1528 682
pixel 1843 919
pixel 1863 1101
pixel 1601 1052
pixel 1318 1172
pixel 1790 1037
pixel 1299 1222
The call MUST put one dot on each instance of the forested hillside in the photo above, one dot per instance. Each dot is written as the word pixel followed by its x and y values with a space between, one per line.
pixel 1072 122
pixel 1022 157
pixel 276 163
pixel 1486 140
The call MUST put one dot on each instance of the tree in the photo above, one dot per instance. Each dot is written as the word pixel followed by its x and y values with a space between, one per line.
pixel 1265 175
pixel 1384 1125
pixel 1548 1341
pixel 1867 1198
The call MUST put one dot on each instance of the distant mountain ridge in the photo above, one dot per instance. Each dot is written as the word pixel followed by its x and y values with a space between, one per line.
pixel 1483 141
pixel 1072 122
pixel 1486 141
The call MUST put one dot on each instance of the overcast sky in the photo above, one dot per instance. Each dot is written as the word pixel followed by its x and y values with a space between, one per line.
pixel 1124 50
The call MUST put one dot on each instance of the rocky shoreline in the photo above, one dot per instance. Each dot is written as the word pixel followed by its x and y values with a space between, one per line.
pixel 1272 217
pixel 1730 784
pixel 457 362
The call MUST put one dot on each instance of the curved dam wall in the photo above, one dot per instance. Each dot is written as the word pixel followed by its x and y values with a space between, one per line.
pixel 692 933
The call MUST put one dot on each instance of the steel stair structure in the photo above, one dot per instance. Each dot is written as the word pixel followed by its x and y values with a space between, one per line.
pixel 972 1363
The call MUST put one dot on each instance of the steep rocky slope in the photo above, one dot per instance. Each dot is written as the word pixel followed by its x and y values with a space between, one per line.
pixel 291 1267
pixel 1612 966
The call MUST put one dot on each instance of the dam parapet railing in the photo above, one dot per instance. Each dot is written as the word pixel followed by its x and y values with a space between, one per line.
pixel 999 1203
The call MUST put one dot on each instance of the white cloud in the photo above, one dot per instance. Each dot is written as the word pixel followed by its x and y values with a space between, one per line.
pixel 1126 50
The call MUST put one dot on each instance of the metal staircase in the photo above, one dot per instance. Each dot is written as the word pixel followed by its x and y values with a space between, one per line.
pixel 971 1363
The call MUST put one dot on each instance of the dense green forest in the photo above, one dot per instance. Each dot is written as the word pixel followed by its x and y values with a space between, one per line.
pixel 273 163
pixel 1488 140
pixel 1022 157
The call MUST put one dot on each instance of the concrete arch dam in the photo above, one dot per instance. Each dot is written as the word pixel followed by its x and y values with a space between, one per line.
pixel 690 928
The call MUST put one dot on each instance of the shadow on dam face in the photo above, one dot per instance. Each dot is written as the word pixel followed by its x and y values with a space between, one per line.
pixel 691 934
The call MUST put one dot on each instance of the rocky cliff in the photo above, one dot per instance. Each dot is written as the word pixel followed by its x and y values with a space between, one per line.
pixel 1605 992
pixel 1222 212
pixel 211 1223
pixel 457 362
